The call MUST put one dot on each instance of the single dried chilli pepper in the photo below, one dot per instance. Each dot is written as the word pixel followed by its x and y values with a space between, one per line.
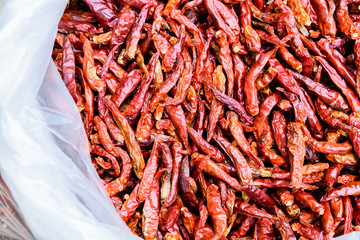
pixel 105 137
pixel 356 215
pixel 299 111
pixel 229 202
pixel 314 123
pixel 168 61
pixel 150 218
pixel 307 217
pixel 161 44
pixel 145 124
pixel 218 81
pixel 330 97
pixel 300 14
pixel 270 38
pixel 241 166
pixel 177 116
pixel 296 152
pixel 68 73
pixel 88 66
pixel 234 105
pixel 252 38
pixel 130 205
pixel 327 219
pixel 201 65
pixel 259 197
pixel 103 12
pixel 185 190
pixel 73 26
pixel 251 102
pixel 129 137
pixel 263 229
pixel 345 159
pixel 283 225
pixel 79 15
pixel 285 197
pixel 265 142
pixel 105 165
pixel 103 38
pixel 326 147
pixel 266 78
pixel 237 132
pixel 310 11
pixel 314 168
pixel 198 38
pixel 325 18
pixel 357 64
pixel 167 162
pixel 184 81
pixel 312 233
pixel 340 67
pixel 244 227
pixel 203 215
pixel 226 61
pixel 290 59
pixel 349 189
pixel 213 170
pixel 100 55
pixel 173 233
pixel 134 35
pixel 279 129
pixel 149 173
pixel 313 178
pixel 309 201
pixel 173 213
pixel 354 120
pixel 167 85
pixel 89 103
pixel 159 21
pixel 283 77
pixel 265 109
pixel 346 178
pixel 216 211
pixel 176 29
pixel 138 101
pixel 109 79
pixel 175 174
pixel 249 210
pixel 119 184
pixel 127 86
pixel 188 220
pixel 329 119
pixel 204 146
pixel 172 4
pixel 278 183
pixel 345 24
pixel 348 214
pixel 291 28
pixel 264 17
pixel 310 45
pixel 337 208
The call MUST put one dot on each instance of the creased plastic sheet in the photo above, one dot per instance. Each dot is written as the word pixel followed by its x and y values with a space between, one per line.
pixel 44 159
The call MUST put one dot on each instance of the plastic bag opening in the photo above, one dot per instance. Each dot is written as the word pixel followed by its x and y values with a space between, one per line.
pixel 45 158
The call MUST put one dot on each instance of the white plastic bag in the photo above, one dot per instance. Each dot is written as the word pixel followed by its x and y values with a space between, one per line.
pixel 45 160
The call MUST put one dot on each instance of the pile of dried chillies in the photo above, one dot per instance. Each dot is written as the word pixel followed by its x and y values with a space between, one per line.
pixel 220 119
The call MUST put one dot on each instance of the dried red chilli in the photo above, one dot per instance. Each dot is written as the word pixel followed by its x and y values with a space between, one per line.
pixel 198 70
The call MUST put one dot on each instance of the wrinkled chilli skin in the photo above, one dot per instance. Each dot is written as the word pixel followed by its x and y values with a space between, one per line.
pixel 220 119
